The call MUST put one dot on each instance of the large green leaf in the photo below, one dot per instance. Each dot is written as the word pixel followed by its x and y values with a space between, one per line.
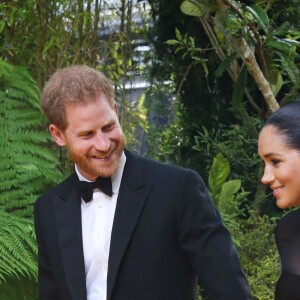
pixel 193 8
pixel 281 45
pixel 227 196
pixel 218 174
pixel 260 16
pixel 292 42
pixel 230 188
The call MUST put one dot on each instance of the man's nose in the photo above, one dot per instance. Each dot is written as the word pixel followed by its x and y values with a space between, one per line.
pixel 102 142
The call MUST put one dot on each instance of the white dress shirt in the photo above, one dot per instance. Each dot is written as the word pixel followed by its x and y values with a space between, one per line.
pixel 97 220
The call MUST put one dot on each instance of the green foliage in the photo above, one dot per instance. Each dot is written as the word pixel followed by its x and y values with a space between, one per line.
pixel 27 168
pixel 231 143
pixel 219 172
pixel 134 122
pixel 236 144
pixel 186 45
pixel 253 236
pixel 228 195
pixel 17 247
pixel 258 14
pixel 24 288
pixel 168 139
pixel 259 255
pixel 276 47
pixel 46 37
pixel 197 8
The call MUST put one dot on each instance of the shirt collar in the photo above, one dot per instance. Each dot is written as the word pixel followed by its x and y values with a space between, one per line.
pixel 115 178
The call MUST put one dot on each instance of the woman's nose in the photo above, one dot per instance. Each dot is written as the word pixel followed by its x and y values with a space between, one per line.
pixel 267 177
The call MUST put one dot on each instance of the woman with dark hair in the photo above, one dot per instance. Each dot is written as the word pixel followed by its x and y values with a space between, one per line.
pixel 279 148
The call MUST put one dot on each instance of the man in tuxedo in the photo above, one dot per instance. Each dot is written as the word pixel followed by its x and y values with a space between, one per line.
pixel 123 227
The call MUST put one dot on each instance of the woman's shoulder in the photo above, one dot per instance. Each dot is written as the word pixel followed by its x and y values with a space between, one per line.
pixel 288 225
pixel 292 216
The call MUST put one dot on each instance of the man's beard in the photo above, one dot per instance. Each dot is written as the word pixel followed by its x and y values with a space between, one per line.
pixel 89 166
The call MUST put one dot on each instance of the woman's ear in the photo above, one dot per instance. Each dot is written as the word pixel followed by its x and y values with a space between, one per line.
pixel 57 135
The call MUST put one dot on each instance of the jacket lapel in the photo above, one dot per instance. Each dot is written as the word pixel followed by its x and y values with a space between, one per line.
pixel 132 196
pixel 68 221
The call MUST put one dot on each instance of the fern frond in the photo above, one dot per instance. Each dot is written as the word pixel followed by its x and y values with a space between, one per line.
pixel 34 136
pixel 27 169
pixel 35 151
pixel 17 246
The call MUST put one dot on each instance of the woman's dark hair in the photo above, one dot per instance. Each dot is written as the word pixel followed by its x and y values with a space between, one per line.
pixel 287 121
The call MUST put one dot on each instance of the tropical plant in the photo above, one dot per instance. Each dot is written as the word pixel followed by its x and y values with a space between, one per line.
pixel 228 195
pixel 27 168
pixel 258 254
pixel 233 62
pixel 252 236
pixel 239 31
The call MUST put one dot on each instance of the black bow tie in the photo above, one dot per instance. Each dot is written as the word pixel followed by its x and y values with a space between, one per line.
pixel 86 188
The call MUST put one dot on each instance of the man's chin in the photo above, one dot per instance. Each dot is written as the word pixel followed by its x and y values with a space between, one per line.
pixel 106 170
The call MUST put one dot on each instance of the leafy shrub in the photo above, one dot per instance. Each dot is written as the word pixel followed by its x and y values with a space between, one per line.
pixel 259 255
pixel 252 236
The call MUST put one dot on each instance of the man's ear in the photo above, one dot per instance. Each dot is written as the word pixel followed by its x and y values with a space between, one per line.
pixel 57 135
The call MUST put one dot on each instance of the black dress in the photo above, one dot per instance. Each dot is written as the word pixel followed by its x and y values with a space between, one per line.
pixel 287 235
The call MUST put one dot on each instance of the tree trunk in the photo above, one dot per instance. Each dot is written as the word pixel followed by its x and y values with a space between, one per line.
pixel 253 68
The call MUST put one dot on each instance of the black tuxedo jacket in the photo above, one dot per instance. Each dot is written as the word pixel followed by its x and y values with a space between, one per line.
pixel 167 236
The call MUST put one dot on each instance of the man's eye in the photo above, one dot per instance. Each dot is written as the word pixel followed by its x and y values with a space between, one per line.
pixel 108 127
pixel 87 134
